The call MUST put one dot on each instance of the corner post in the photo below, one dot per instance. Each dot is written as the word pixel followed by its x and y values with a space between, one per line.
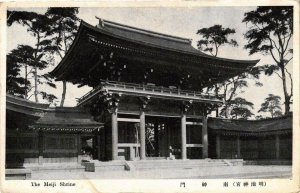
pixel 142 135
pixel 183 136
pixel 114 133
pixel 41 147
pixel 218 152
pixel 277 145
pixel 204 136
pixel 144 102
pixel 79 145
pixel 238 141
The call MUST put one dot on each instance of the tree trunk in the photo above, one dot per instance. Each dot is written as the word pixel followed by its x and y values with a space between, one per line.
pixel 63 96
pixel 286 95
pixel 35 85
pixel 226 110
pixel 25 84
pixel 217 95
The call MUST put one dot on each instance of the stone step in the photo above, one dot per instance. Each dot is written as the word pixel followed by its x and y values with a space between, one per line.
pixel 98 166
pixel 17 174
pixel 178 164
pixel 175 167
pixel 60 166
pixel 174 163
pixel 120 165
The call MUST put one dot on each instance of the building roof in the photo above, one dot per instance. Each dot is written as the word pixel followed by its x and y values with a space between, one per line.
pixel 41 116
pixel 155 39
pixel 251 126
pixel 67 118
pixel 141 47
pixel 20 105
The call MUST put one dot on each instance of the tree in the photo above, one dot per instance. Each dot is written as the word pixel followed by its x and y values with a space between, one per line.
pixel 272 105
pixel 63 26
pixel 23 56
pixel 212 39
pixel 15 84
pixel 270 32
pixel 39 59
pixel 240 108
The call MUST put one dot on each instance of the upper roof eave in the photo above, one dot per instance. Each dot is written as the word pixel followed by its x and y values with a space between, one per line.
pixel 201 54
pixel 83 24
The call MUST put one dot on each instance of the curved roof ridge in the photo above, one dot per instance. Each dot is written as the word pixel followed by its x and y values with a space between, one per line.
pixel 103 23
pixel 193 51
pixel 252 120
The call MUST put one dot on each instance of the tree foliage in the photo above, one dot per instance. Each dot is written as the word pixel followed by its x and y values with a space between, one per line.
pixel 18 59
pixel 214 37
pixel 63 26
pixel 38 57
pixel 271 105
pixel 270 33
pixel 15 83
pixel 240 108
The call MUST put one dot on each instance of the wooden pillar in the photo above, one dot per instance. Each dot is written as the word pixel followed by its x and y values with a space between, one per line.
pixel 277 145
pixel 114 134
pixel 142 135
pixel 204 137
pixel 41 147
pixel 79 154
pixel 98 146
pixel 183 136
pixel 218 152
pixel 238 142
pixel 156 145
pixel 132 154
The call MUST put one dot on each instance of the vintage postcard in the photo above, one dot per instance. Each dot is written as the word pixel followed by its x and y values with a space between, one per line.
pixel 142 96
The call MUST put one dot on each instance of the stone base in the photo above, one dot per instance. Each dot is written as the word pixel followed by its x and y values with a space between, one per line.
pixel 98 166
pixel 17 174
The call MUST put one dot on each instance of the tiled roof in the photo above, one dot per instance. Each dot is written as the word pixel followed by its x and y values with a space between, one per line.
pixel 251 126
pixel 67 117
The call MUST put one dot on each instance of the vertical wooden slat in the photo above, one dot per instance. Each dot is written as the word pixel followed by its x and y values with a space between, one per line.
pixel 142 135
pixel 204 137
pixel 114 137
pixel 277 145
pixel 218 152
pixel 156 145
pixel 238 142
pixel 98 146
pixel 41 147
pixel 183 136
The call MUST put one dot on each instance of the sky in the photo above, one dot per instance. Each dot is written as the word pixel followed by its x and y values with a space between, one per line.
pixel 182 22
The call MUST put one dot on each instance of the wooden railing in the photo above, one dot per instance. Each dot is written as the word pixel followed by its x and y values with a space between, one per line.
pixel 148 87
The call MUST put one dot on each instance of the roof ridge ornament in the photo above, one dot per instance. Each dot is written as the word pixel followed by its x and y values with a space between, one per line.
pixel 113 24
pixel 101 22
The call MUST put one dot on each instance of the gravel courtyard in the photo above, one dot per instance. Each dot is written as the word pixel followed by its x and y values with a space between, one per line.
pixel 248 171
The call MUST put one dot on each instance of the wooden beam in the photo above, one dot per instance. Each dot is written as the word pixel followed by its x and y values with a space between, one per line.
pixel 129 145
pixel 128 120
pixel 159 114
pixel 194 123
pixel 194 145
